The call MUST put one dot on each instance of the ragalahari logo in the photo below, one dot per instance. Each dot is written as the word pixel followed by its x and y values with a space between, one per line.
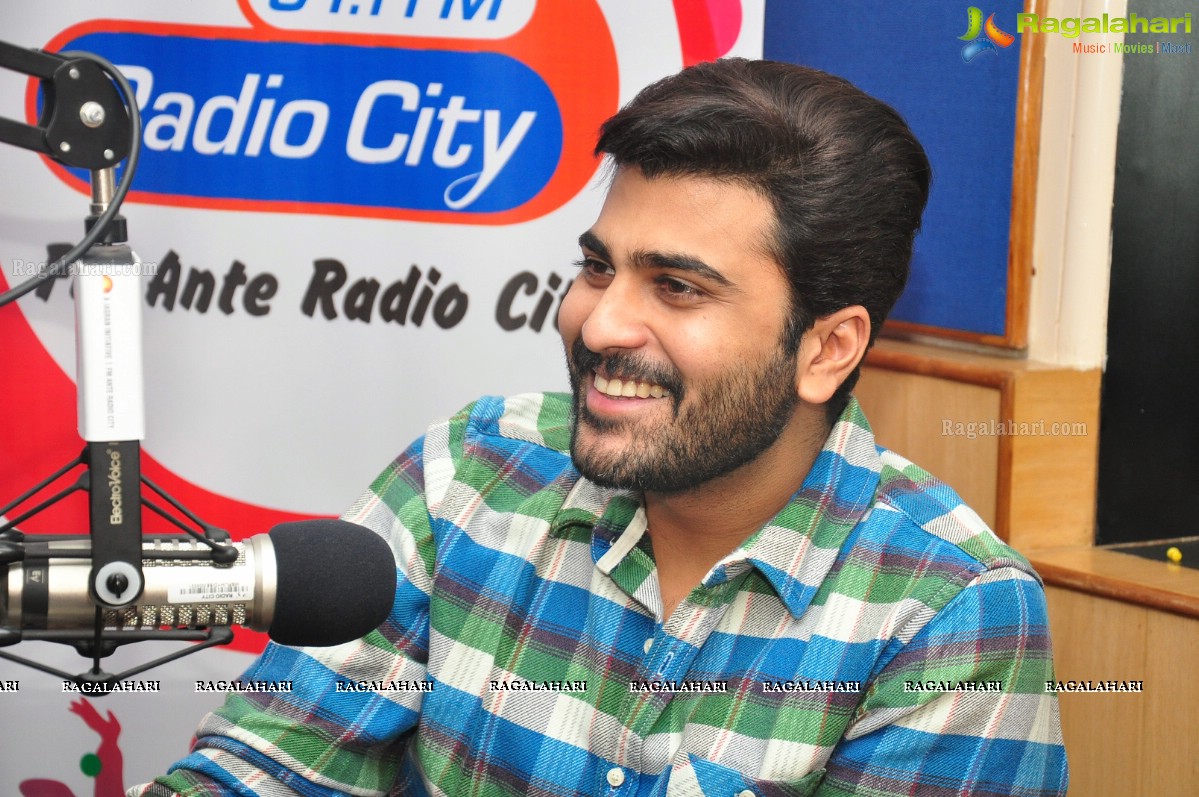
pixel 982 37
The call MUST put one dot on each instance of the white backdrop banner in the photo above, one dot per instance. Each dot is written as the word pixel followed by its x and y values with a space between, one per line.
pixel 354 217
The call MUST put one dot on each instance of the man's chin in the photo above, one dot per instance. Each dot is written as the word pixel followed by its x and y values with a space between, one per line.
pixel 589 445
pixel 601 473
pixel 598 454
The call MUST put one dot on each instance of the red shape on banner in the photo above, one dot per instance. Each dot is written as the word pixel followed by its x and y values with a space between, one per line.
pixel 108 761
pixel 43 787
pixel 708 29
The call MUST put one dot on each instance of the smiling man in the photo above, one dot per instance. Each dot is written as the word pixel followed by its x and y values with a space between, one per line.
pixel 696 574
pixel 687 382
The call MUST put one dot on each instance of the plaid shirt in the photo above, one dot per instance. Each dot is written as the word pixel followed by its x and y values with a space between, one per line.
pixel 875 638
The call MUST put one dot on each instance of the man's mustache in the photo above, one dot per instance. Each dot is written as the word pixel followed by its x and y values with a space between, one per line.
pixel 625 366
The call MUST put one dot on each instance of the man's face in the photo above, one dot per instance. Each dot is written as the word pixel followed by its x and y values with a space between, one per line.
pixel 673 334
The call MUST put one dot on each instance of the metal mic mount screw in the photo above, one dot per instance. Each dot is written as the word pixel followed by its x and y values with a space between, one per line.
pixel 91 113
pixel 117 583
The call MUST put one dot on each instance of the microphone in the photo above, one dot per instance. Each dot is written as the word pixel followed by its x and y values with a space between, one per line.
pixel 310 582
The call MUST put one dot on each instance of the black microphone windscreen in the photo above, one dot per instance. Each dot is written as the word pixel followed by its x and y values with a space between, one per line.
pixel 336 582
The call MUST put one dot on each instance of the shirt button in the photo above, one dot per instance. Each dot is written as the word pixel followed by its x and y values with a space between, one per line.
pixel 615 777
pixel 649 643
pixel 746 793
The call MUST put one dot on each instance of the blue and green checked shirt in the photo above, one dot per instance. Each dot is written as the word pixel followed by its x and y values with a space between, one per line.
pixel 875 638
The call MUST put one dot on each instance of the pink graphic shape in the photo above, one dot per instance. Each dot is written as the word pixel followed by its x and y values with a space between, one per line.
pixel 708 29
pixel 40 787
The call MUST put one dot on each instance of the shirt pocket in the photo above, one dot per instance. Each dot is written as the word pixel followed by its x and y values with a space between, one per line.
pixel 697 777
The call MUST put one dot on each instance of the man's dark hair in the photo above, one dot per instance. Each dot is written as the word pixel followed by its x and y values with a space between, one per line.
pixel 846 177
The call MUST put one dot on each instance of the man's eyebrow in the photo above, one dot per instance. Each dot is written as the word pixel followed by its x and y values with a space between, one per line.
pixel 663 260
pixel 680 262
pixel 589 240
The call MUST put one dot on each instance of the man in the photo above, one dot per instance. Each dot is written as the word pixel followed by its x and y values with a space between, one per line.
pixel 697 574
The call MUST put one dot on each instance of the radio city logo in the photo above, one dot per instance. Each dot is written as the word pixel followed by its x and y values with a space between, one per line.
pixel 982 37
pixel 401 127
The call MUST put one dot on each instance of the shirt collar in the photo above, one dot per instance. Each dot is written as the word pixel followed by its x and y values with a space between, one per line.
pixel 617 525
pixel 798 547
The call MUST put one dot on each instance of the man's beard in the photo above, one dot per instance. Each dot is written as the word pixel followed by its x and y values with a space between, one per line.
pixel 715 429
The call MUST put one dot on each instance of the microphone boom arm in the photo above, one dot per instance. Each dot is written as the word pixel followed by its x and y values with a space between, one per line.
pixel 83 122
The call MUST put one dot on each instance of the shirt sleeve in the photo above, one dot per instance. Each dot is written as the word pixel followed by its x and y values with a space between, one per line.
pixel 963 708
pixel 345 724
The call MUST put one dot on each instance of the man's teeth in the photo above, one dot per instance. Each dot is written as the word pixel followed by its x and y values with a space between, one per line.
pixel 628 388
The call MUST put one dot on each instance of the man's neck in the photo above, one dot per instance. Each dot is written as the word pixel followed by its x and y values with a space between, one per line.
pixel 691 531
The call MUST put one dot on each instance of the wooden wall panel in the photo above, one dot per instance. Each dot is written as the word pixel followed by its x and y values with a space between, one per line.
pixel 1054 469
pixel 1028 468
pixel 909 413
pixel 1169 735
pixel 1121 744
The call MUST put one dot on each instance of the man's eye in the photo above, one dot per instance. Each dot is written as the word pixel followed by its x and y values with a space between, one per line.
pixel 594 269
pixel 679 289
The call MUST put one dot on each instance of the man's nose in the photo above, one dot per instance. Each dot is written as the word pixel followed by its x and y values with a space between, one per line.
pixel 618 319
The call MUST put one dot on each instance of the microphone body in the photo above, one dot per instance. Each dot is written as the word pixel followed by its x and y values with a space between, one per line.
pixel 48 590
pixel 311 582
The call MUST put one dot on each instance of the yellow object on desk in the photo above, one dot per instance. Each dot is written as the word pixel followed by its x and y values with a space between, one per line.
pixel 1173 554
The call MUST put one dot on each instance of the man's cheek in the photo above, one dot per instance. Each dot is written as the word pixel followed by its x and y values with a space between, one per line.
pixel 571 315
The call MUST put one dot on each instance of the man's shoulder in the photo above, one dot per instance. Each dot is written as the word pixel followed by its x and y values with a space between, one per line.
pixel 510 447
pixel 915 515
pixel 934 511
pixel 542 420
pixel 538 419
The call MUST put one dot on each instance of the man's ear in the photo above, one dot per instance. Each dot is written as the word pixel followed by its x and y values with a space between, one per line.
pixel 829 352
